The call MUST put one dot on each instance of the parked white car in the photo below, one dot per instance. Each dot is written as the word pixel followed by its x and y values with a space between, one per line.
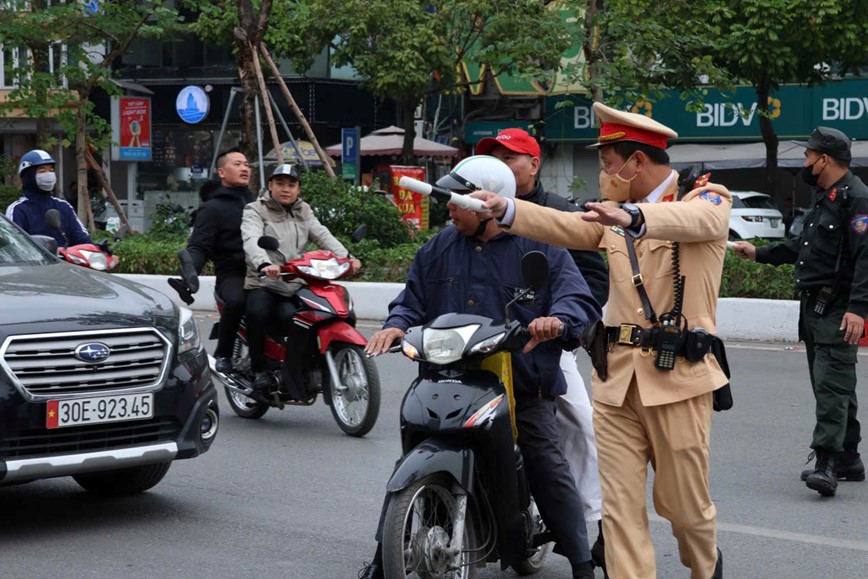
pixel 754 215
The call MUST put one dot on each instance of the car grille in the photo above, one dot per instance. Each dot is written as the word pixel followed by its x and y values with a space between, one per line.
pixel 89 438
pixel 45 365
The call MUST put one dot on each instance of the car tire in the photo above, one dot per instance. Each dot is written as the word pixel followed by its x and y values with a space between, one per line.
pixel 125 481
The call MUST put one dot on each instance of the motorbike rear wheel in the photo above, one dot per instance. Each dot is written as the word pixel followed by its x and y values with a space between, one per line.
pixel 242 405
pixel 355 402
pixel 418 528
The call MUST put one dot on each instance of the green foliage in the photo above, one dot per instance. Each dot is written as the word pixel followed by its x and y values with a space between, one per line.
pixel 748 279
pixel 8 194
pixel 342 208
pixel 170 219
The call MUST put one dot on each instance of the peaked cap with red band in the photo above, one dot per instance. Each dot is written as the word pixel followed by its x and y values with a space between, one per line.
pixel 618 126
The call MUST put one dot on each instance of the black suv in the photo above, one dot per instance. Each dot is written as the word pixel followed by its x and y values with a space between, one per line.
pixel 101 378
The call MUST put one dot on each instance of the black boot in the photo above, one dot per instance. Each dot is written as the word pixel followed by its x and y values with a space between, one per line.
pixel 718 568
pixel 848 466
pixel 598 551
pixel 584 570
pixel 823 479
pixel 262 382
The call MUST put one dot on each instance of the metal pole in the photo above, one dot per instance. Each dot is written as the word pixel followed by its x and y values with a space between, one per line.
pixel 292 140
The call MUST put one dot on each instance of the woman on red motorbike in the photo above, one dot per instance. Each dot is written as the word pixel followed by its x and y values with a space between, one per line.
pixel 270 305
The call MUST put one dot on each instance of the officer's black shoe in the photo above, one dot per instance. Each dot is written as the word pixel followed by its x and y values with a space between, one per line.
pixel 598 551
pixel 371 571
pixel 718 568
pixel 223 365
pixel 823 478
pixel 847 468
pixel 584 570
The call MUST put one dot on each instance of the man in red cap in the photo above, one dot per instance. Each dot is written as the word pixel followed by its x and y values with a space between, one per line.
pixel 521 152
pixel 654 370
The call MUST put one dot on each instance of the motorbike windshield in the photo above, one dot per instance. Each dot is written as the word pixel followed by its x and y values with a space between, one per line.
pixel 17 248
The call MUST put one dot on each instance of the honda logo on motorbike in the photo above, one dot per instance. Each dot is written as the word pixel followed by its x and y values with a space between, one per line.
pixel 92 352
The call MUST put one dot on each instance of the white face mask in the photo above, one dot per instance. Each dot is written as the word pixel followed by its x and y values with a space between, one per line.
pixel 46 181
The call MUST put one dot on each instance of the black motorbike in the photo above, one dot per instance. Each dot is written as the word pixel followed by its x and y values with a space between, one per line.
pixel 459 498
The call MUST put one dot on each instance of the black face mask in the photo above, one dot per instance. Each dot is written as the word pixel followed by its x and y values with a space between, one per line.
pixel 808 175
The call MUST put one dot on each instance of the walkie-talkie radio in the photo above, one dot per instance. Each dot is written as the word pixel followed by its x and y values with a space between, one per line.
pixel 667 346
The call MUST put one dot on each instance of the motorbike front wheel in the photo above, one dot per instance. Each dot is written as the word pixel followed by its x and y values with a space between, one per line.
pixel 418 528
pixel 355 400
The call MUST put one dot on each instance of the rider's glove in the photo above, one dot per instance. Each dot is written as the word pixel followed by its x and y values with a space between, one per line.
pixel 179 286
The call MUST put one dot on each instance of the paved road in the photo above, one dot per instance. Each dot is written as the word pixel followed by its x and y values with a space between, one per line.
pixel 290 496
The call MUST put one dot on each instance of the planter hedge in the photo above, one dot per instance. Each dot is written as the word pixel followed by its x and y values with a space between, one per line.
pixel 157 255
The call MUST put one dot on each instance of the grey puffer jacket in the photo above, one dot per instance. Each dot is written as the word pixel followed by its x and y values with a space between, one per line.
pixel 293 228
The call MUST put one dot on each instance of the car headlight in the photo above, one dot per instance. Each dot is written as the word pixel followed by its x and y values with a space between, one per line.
pixel 446 346
pixel 188 332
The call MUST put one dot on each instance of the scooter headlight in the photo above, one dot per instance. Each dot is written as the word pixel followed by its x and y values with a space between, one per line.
pixel 444 346
pixel 325 268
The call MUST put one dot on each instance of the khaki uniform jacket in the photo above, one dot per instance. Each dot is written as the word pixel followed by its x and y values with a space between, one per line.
pixel 700 223
pixel 293 229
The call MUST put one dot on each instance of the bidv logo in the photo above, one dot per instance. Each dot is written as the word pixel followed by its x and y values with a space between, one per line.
pixel 92 352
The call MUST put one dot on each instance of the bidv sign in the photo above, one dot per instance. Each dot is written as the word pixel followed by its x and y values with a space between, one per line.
pixel 845 109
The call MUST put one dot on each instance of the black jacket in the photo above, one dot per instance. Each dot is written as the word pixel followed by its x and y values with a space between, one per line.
pixel 217 230
pixel 590 263
pixel 833 246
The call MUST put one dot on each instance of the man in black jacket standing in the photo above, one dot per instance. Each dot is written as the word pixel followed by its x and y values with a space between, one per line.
pixel 217 236
pixel 521 152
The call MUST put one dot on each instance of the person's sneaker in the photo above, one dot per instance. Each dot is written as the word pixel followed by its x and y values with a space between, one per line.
pixel 223 365
pixel 598 555
pixel 262 382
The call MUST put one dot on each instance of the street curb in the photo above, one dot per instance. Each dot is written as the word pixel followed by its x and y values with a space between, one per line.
pixel 737 318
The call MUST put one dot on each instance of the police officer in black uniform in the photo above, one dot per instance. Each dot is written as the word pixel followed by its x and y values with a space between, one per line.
pixel 831 259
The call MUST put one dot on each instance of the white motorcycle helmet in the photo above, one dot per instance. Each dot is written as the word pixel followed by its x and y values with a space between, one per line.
pixel 480 172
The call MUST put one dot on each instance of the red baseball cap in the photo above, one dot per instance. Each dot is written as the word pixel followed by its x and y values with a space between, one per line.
pixel 517 140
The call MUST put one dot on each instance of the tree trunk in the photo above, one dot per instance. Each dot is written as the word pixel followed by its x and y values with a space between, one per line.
pixel 266 104
pixel 247 76
pixel 408 123
pixel 81 164
pixel 590 50
pixel 769 136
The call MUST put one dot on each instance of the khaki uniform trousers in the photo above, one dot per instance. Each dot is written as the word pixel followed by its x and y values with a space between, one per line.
pixel 674 438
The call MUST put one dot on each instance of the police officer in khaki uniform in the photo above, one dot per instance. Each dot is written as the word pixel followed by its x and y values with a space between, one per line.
pixel 831 258
pixel 651 404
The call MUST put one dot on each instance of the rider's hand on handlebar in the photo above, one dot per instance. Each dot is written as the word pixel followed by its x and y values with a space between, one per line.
pixel 542 330
pixel 381 341
pixel 271 271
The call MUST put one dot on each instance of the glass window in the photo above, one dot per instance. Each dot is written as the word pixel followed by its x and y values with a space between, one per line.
pixel 758 202
pixel 16 248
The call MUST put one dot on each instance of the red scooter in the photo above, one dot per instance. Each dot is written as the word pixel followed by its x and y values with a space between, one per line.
pixel 337 366
pixel 96 256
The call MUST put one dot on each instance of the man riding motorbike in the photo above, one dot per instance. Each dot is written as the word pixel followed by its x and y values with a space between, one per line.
pixel 270 304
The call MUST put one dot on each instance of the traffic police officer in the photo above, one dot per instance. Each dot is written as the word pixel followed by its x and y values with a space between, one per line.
pixel 648 407
pixel 831 259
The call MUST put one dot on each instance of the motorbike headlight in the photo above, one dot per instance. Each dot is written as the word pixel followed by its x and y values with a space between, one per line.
pixel 96 260
pixel 487 345
pixel 446 346
pixel 188 332
pixel 325 268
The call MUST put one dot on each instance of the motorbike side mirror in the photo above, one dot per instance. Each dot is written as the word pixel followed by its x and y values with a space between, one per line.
pixel 360 233
pixel 268 243
pixel 46 242
pixel 52 218
pixel 188 271
pixel 535 269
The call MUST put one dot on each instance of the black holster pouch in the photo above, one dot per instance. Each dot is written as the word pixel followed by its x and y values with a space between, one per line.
pixel 595 340
pixel 722 397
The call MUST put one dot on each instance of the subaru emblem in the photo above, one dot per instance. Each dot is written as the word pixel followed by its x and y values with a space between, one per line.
pixel 92 352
